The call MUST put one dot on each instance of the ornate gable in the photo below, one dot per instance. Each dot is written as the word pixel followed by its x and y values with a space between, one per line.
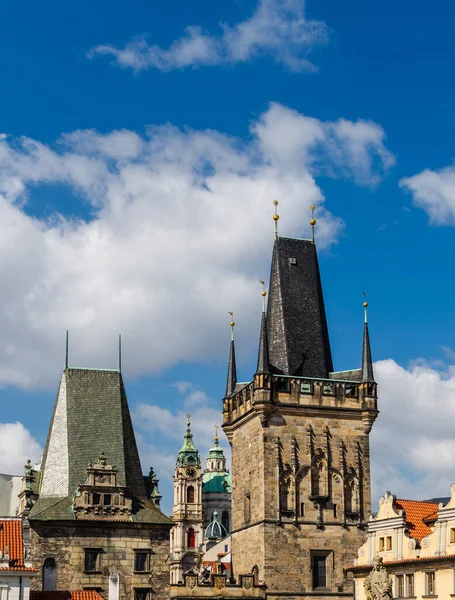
pixel 100 497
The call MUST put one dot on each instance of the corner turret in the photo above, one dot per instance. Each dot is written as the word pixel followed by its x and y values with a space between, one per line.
pixel 232 371
pixel 367 363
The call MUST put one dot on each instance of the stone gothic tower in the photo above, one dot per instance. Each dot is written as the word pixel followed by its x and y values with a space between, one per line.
pixel 299 436
pixel 187 535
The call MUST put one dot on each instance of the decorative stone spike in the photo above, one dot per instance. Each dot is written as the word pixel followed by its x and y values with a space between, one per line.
pixel 295 454
pixel 343 465
pixel 278 458
pixel 310 441
pixel 328 445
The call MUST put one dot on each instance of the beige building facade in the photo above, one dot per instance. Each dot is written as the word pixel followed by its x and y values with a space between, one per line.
pixel 416 541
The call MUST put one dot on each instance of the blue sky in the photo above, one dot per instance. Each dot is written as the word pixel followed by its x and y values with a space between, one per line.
pixel 144 144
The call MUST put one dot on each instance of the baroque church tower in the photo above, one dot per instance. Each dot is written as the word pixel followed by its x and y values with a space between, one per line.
pixel 299 433
pixel 216 487
pixel 187 535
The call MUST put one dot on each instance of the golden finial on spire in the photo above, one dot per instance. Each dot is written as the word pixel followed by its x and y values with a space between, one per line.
pixel 232 324
pixel 313 221
pixel 188 416
pixel 216 433
pixel 276 217
pixel 264 294
pixel 365 307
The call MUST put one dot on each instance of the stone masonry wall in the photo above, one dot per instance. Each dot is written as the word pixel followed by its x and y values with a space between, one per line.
pixel 281 548
pixel 66 545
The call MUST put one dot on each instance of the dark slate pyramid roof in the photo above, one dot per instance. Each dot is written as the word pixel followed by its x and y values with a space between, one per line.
pixel 90 416
pixel 297 326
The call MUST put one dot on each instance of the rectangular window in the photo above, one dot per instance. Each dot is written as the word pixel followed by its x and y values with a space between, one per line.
pixel 96 499
pixel 92 560
pixel 306 387
pixel 399 586
pixel 388 542
pixel 334 511
pixel 319 571
pixel 107 499
pixel 350 390
pixel 142 594
pixel 452 535
pixel 410 585
pixel 141 561
pixel 283 385
pixel 328 389
pixel 247 508
pixel 430 583
pixel 302 509
pixel 381 544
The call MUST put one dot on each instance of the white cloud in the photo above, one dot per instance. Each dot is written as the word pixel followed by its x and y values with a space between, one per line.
pixel 204 416
pixel 16 445
pixel 412 442
pixel 434 191
pixel 277 28
pixel 179 233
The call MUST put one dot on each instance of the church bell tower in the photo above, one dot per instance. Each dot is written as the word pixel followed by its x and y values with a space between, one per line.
pixel 187 535
pixel 299 433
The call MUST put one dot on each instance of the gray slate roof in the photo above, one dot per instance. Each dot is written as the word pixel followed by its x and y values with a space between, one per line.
pixel 90 416
pixel 297 327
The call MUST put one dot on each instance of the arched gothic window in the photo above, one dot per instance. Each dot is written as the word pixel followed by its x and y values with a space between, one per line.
pixel 190 494
pixel 49 575
pixel 255 572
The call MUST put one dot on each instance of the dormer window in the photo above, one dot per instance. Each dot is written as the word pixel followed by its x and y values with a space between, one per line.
pixel 101 496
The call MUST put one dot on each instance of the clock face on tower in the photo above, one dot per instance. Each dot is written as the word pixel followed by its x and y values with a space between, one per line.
pixel 191 471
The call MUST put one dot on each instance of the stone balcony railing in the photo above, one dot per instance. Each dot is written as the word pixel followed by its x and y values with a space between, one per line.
pixel 217 586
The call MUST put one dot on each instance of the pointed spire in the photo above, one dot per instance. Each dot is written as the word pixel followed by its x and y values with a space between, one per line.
pixel 312 222
pixel 119 359
pixel 263 366
pixel 276 217
pixel 367 363
pixel 232 371
pixel 66 349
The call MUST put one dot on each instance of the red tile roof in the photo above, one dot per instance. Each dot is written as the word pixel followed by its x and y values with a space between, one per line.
pixel 416 513
pixel 13 568
pixel 66 595
pixel 11 538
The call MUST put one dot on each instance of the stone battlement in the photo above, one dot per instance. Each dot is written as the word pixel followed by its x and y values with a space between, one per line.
pixel 304 392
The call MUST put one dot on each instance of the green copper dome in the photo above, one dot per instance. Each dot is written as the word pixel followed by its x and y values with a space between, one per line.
pixel 188 455
pixel 217 482
pixel 215 451
pixel 215 529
